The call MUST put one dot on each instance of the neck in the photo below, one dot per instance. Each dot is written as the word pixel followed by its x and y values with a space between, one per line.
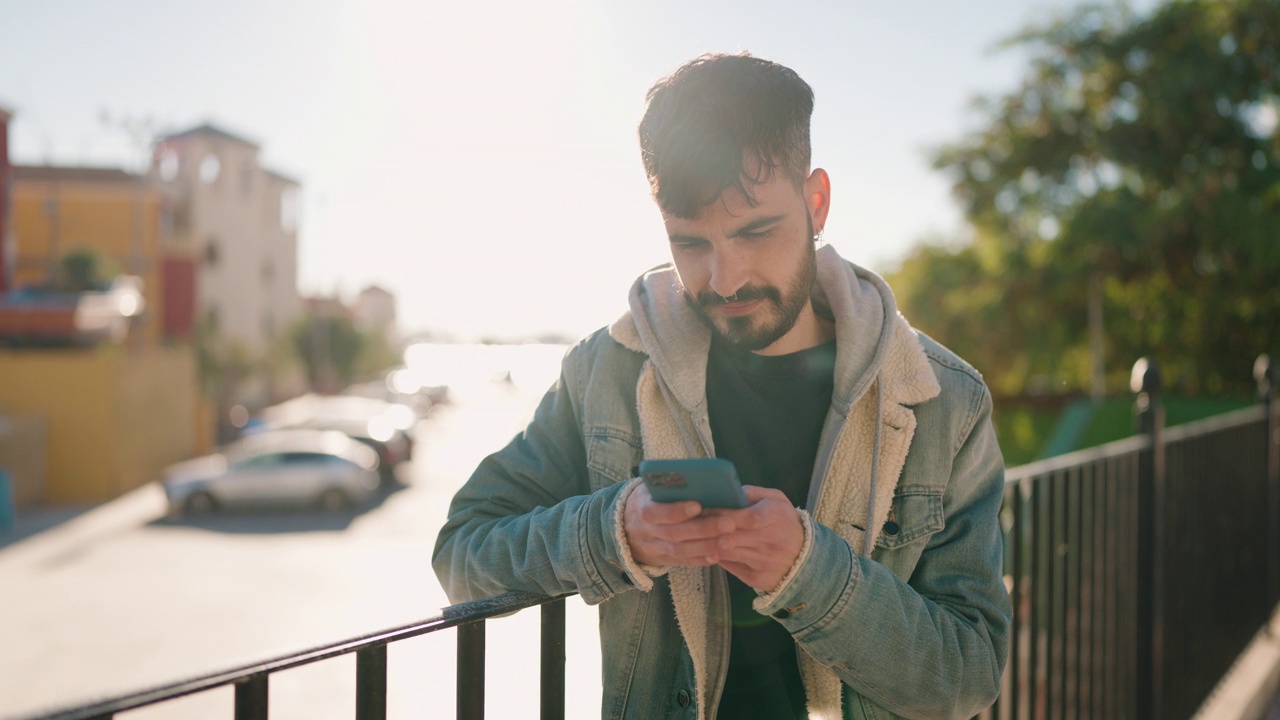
pixel 809 330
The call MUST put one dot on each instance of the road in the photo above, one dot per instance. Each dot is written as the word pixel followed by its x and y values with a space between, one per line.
pixel 119 598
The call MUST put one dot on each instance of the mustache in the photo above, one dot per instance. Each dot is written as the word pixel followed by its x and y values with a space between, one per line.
pixel 748 293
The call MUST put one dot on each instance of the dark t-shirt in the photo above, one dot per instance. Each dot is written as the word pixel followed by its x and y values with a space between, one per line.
pixel 766 416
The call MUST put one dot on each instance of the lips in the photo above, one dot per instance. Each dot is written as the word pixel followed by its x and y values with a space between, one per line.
pixel 734 309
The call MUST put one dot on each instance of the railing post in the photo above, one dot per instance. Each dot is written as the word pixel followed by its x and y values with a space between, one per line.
pixel 552 696
pixel 371 683
pixel 1149 675
pixel 1264 373
pixel 471 671
pixel 251 698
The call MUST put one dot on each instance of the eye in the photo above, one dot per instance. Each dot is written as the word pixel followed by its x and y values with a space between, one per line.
pixel 760 232
pixel 687 244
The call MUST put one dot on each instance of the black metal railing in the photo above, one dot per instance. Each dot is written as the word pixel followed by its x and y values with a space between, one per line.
pixel 1139 570
pixel 251 681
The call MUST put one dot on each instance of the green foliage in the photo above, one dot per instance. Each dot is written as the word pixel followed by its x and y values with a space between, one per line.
pixel 1022 431
pixel 83 271
pixel 223 365
pixel 1143 151
pixel 330 348
pixel 1114 420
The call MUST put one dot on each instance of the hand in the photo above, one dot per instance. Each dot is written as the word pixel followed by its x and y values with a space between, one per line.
pixel 672 533
pixel 766 539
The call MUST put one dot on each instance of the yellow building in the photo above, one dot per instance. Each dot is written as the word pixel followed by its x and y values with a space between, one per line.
pixel 119 217
pixel 113 415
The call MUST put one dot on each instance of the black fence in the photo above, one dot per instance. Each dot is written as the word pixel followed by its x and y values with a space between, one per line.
pixel 252 686
pixel 1139 570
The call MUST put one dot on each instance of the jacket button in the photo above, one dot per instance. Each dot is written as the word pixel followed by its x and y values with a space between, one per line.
pixel 891 528
pixel 682 697
pixel 782 614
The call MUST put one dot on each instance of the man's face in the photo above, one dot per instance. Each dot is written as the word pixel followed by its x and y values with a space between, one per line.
pixel 763 254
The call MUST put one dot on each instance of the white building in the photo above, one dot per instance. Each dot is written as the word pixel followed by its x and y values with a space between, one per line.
pixel 375 310
pixel 239 220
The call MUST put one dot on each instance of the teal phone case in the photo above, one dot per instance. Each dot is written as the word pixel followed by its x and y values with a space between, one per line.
pixel 711 481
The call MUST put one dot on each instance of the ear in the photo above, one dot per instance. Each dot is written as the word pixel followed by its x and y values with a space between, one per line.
pixel 817 197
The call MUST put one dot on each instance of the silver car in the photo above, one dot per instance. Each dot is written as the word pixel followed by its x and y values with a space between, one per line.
pixel 326 469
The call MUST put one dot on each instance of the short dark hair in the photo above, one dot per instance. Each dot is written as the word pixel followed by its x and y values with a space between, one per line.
pixel 714 111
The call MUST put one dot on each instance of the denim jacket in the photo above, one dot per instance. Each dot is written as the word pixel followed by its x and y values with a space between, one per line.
pixel 910 620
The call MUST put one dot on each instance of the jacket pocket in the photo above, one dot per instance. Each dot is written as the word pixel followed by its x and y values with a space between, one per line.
pixel 916 515
pixel 612 455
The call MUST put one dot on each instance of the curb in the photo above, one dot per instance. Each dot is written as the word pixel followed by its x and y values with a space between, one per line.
pixel 1251 683
pixel 134 508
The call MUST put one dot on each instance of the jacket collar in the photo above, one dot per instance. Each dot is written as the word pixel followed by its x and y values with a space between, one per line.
pixel 660 324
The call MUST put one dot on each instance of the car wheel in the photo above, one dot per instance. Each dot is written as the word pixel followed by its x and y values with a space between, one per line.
pixel 200 503
pixel 333 500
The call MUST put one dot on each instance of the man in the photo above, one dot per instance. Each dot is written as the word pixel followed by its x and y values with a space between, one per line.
pixel 864 578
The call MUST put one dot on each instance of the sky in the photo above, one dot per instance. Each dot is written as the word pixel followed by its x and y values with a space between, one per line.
pixel 479 160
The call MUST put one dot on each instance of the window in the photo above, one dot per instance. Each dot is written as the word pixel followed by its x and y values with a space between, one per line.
pixel 289 210
pixel 170 165
pixel 210 169
pixel 295 458
pixel 262 462
pixel 212 253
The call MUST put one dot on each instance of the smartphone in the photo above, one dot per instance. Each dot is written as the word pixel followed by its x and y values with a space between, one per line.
pixel 711 481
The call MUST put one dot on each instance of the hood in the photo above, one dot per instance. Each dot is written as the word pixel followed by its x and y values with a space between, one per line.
pixel 661 324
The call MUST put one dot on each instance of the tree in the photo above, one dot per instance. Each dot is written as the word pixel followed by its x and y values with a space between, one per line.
pixel 82 270
pixel 329 346
pixel 1142 154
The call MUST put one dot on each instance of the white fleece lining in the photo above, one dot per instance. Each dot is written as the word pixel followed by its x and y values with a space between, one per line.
pixel 662 440
pixel 642 575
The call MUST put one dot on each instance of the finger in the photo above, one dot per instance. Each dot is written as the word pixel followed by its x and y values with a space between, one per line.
pixel 663 513
pixel 755 494
pixel 762 514
pixel 701 528
pixel 698 552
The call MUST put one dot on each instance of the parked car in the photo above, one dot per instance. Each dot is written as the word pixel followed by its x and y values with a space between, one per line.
pixel 325 469
pixel 385 427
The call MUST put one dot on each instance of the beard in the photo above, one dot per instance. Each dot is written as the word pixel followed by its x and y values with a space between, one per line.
pixel 773 319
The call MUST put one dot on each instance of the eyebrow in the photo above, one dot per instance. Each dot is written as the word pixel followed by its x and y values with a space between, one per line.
pixel 750 227
pixel 755 225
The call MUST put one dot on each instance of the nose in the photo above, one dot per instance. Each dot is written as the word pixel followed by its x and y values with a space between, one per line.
pixel 729 271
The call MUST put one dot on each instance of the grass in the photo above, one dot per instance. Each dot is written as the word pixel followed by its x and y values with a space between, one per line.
pixel 1024 430
pixel 1115 421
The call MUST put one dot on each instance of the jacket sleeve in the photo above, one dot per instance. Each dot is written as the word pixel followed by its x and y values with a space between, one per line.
pixel 934 646
pixel 526 519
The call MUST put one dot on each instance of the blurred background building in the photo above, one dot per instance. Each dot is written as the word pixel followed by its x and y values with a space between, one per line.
pixel 136 309
pixel 239 219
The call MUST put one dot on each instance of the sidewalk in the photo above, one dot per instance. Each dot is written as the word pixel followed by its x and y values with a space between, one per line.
pixel 1251 689
pixel 31 521
pixel 67 523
